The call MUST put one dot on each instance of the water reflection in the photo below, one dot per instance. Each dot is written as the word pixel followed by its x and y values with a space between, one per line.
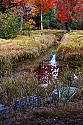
pixel 47 70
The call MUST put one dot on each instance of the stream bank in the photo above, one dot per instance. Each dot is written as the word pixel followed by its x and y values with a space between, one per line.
pixel 71 48
pixel 24 47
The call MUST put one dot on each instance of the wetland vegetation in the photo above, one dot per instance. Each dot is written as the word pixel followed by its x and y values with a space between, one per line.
pixel 20 81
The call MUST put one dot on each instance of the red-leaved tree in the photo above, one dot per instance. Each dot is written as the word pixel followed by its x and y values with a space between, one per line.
pixel 68 10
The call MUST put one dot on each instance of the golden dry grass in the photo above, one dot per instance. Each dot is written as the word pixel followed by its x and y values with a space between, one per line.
pixel 71 46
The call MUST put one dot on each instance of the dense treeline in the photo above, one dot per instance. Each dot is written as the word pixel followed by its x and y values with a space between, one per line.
pixel 39 14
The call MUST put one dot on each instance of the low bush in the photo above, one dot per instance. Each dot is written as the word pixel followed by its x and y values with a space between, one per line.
pixel 9 25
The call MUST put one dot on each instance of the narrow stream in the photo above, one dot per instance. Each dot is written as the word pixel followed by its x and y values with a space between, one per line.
pixel 46 68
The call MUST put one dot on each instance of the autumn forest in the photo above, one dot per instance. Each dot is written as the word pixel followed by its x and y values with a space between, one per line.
pixel 40 14
pixel 41 62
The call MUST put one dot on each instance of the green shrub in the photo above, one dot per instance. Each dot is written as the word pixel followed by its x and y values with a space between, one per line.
pixel 9 26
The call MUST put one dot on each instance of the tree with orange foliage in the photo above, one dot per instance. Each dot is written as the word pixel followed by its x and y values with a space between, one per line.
pixel 67 10
pixel 24 9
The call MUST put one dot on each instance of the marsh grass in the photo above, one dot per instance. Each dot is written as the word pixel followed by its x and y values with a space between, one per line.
pixel 23 47
pixel 71 48
pixel 21 86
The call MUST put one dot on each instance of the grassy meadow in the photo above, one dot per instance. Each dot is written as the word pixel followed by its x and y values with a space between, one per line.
pixel 27 46
pixel 71 47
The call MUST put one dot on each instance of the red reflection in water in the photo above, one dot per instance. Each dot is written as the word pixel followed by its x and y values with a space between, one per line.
pixel 45 72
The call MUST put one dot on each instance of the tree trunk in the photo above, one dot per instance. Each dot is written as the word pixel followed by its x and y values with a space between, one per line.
pixel 41 21
pixel 21 23
pixel 68 25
